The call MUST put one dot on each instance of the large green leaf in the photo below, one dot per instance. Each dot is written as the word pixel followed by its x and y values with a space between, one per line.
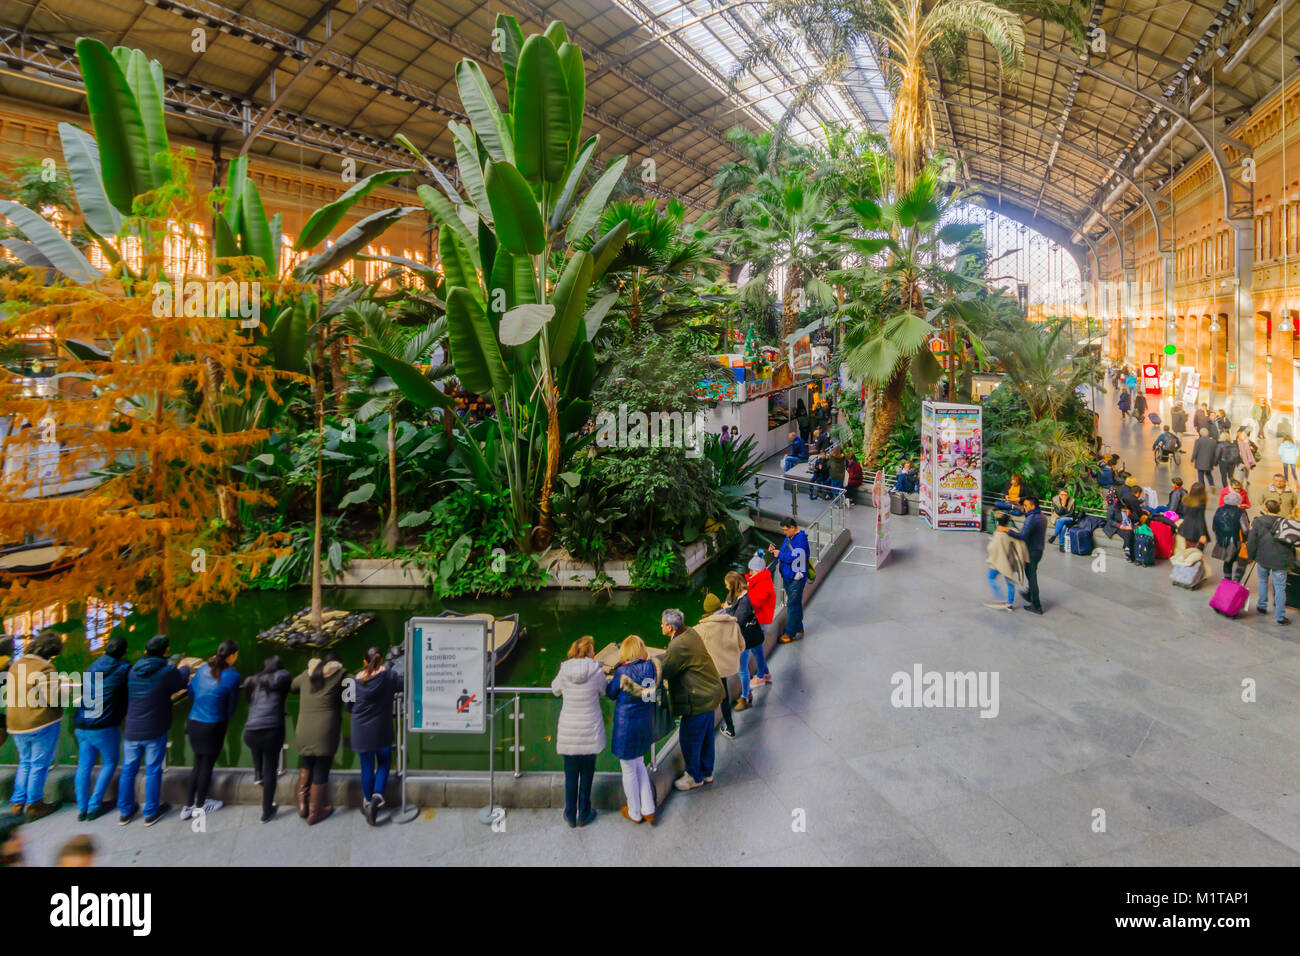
pixel 524 321
pixel 324 220
pixel 474 349
pixel 445 214
pixel 511 39
pixel 593 204
pixel 144 76
pixel 518 221
pixel 289 336
pixel 570 297
pixel 358 495
pixel 352 241
pixel 434 172
pixel 484 114
pixel 54 249
pixel 576 175
pixel 471 173
pixel 541 113
pixel 457 266
pixel 579 372
pixel 594 316
pixel 575 80
pixel 556 33
pixel 606 249
pixel 119 129
pixel 257 237
pixel 515 277
pixel 410 380
pixel 81 153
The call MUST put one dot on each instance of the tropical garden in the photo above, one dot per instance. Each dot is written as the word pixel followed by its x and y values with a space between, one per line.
pixel 232 453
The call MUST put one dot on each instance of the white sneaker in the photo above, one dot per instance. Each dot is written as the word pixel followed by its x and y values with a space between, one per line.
pixel 994 604
pixel 187 812
pixel 212 806
pixel 686 782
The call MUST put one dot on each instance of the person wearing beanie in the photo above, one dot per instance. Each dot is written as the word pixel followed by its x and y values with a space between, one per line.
pixel 98 726
pixel 150 685
pixel 1130 496
pixel 33 720
pixel 724 642
pixel 1229 534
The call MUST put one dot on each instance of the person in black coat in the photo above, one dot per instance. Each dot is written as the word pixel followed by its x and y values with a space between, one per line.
pixel 1275 558
pixel 1176 497
pixel 372 728
pixel 1139 406
pixel 1227 457
pixel 1204 454
pixel 1229 534
pixel 1033 533
pixel 264 729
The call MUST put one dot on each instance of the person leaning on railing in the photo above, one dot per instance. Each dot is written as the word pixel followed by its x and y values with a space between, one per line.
pixel 318 732
pixel 372 728
pixel 695 689
pixel 632 688
pixel 33 720
pixel 580 730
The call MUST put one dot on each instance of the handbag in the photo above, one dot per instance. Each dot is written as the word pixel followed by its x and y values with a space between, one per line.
pixel 752 631
pixel 662 721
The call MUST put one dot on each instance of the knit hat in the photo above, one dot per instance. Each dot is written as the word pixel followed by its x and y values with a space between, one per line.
pixel 1131 481
pixel 756 563
pixel 1232 498
pixel 711 603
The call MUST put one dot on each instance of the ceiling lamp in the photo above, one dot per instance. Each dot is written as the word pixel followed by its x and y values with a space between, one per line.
pixel 1214 324
pixel 1285 325
pixel 1196 79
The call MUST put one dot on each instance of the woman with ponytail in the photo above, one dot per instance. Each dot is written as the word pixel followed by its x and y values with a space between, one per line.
pixel 264 729
pixel 215 692
pixel 372 728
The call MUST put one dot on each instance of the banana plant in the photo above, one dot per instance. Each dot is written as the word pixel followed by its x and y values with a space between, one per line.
pixel 516 278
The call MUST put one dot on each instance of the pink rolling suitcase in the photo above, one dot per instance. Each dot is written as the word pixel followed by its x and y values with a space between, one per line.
pixel 1230 597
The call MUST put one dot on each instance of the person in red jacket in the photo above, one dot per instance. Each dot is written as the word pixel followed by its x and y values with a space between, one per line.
pixel 1235 486
pixel 756 603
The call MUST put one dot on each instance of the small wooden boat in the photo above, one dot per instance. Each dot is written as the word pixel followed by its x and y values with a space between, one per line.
pixel 504 633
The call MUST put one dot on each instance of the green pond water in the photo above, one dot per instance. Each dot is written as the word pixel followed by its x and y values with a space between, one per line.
pixel 552 619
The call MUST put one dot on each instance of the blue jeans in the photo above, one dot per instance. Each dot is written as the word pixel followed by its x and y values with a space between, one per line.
pixel 794 606
pixel 372 782
pixel 579 773
pixel 1061 525
pixel 993 586
pixel 696 739
pixel 761 671
pixel 790 461
pixel 152 752
pixel 1279 591
pixel 35 754
pixel 1289 472
pixel 106 745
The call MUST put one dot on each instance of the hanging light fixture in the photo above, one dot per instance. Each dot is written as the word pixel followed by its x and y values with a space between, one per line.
pixel 1286 325
pixel 1214 324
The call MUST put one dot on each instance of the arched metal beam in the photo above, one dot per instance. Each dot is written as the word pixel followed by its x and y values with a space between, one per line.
pixel 1238 195
pixel 1152 198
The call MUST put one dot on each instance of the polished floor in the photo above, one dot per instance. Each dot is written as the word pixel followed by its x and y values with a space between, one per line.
pixel 1134 726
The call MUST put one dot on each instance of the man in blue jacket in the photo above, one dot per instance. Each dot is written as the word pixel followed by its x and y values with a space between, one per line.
pixel 798 452
pixel 150 686
pixel 1032 532
pixel 794 559
pixel 98 726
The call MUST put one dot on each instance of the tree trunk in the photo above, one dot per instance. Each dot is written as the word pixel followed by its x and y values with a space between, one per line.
pixel 634 308
pixel 336 373
pixel 390 528
pixel 318 388
pixel 891 407
pixel 164 617
pixel 789 314
pixel 544 533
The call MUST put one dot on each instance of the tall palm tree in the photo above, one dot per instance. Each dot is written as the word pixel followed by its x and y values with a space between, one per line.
pixel 905 288
pixel 760 156
pixel 786 227
pixel 906 35
pixel 377 327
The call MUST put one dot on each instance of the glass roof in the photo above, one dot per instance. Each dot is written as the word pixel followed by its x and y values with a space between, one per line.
pixel 713 34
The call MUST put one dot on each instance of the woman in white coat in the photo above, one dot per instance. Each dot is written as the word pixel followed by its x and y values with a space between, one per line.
pixel 580 731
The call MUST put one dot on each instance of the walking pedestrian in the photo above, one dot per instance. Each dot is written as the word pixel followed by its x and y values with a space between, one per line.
pixel 1229 535
pixel 1006 557
pixel 1287 453
pixel 1205 453
pixel 1032 533
pixel 1275 558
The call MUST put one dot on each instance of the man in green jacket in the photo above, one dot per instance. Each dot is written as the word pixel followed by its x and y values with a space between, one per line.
pixel 1280 493
pixel 695 689
pixel 34 716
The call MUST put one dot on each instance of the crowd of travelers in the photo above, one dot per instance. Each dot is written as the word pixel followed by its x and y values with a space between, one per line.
pixel 1210 520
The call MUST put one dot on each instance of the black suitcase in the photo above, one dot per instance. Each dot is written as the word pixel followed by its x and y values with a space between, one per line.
pixel 897 503
pixel 1144 550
